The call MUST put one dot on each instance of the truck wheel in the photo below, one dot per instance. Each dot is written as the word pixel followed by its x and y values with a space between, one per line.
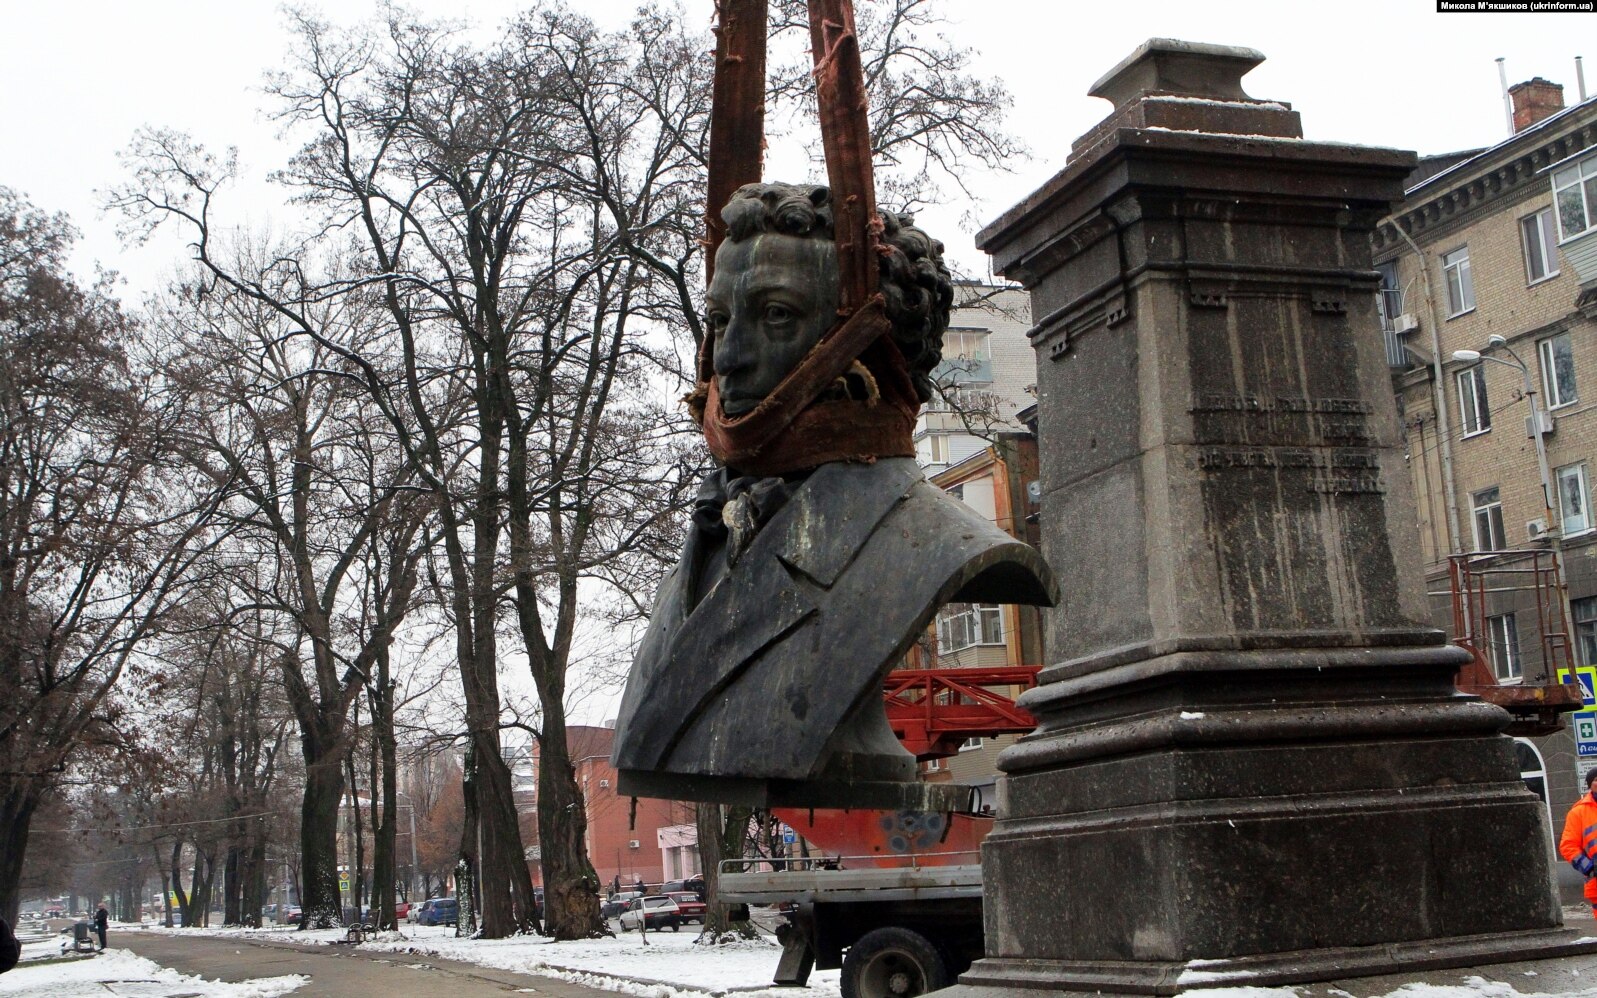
pixel 892 962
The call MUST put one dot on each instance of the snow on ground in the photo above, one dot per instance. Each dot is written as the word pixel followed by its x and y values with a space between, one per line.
pixel 669 966
pixel 118 972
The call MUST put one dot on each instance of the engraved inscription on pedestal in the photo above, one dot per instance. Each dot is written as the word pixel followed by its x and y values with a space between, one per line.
pixel 1326 442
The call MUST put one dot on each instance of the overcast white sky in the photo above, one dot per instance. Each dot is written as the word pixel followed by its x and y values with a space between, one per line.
pixel 78 76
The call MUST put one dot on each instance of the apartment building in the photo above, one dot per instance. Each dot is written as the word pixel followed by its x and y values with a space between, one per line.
pixel 971 444
pixel 987 376
pixel 1489 267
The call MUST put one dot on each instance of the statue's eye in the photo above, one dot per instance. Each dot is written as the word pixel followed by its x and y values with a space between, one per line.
pixel 717 320
pixel 776 312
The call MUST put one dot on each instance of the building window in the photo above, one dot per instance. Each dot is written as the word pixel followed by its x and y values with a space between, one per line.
pixel 970 744
pixel 1533 771
pixel 936 448
pixel 1503 640
pixel 1585 613
pixel 1488 508
pixel 1540 242
pixel 1473 411
pixel 1575 194
pixel 961 625
pixel 966 357
pixel 1558 370
pixel 1460 286
pixel 1574 499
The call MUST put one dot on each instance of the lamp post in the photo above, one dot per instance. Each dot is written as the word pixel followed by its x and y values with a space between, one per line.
pixel 1555 527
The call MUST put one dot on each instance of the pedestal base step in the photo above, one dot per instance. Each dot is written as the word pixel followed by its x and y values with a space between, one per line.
pixel 995 977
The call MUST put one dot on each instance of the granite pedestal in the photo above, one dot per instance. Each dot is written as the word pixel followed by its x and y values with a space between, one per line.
pixel 1251 759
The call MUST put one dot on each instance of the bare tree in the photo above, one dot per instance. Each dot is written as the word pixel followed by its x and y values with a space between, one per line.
pixel 933 121
pixel 97 528
pixel 313 487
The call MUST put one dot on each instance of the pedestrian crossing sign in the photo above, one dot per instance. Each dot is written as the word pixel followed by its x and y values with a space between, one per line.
pixel 1586 676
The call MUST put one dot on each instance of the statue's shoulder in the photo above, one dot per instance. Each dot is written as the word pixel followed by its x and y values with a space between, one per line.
pixel 886 520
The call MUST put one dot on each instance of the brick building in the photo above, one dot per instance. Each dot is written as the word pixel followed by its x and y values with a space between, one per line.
pixel 1493 252
pixel 650 848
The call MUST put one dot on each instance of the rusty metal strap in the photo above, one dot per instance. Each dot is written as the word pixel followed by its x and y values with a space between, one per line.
pixel 737 113
pixel 846 137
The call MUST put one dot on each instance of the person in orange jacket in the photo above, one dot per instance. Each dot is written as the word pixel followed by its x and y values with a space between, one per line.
pixel 1578 844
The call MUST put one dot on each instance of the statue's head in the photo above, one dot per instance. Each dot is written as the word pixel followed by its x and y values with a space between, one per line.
pixel 775 290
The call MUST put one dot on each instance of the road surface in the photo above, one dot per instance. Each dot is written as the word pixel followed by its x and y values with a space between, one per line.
pixel 337 970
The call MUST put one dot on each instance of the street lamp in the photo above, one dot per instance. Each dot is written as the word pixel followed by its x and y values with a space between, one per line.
pixel 1555 528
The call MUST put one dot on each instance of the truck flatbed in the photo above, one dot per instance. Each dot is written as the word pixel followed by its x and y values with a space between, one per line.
pixel 923 883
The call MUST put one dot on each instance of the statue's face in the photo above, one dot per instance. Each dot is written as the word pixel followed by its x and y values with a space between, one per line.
pixel 772 298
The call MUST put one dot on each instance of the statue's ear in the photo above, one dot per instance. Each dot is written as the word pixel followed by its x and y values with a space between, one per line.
pixel 820 195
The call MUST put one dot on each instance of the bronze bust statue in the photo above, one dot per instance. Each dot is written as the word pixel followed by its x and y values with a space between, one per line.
pixel 816 557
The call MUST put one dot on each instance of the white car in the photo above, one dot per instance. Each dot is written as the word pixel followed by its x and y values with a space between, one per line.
pixel 656 912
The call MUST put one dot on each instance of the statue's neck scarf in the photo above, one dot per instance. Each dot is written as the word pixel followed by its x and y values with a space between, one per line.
pixel 797 426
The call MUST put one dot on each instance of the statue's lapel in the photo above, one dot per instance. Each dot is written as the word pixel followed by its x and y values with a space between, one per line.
pixel 778 583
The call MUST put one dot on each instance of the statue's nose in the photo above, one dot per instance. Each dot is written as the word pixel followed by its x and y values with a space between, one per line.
pixel 733 350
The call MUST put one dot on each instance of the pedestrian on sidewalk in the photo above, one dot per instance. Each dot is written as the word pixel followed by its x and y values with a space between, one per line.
pixel 102 919
pixel 1578 844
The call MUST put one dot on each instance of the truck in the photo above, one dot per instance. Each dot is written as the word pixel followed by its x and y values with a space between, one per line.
pixel 900 919
pixel 895 901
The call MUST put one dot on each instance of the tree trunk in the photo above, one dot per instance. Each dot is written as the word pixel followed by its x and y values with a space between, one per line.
pixel 385 753
pixel 505 899
pixel 16 817
pixel 721 835
pixel 357 848
pixel 252 875
pixel 466 867
pixel 232 889
pixel 166 886
pixel 570 884
pixel 318 840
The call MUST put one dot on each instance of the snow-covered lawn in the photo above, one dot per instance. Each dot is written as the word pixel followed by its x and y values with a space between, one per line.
pixel 670 965
pixel 118 972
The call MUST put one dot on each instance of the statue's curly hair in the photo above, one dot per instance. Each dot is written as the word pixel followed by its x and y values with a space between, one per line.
pixel 914 280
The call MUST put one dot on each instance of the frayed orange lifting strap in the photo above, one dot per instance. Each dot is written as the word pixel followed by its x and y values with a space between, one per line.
pixel 789 431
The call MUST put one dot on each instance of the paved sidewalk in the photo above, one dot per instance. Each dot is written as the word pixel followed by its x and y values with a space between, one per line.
pixel 338 971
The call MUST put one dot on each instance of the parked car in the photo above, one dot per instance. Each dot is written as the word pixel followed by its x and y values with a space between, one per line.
pixel 658 912
pixel 439 911
pixel 694 884
pixel 401 910
pixel 689 906
pixel 617 903
pixel 292 914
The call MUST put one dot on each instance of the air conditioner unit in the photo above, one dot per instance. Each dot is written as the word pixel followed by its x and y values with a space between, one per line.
pixel 1405 323
pixel 1546 421
pixel 632 843
pixel 1536 529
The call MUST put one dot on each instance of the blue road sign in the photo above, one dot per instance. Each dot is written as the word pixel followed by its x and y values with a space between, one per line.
pixel 1586 733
